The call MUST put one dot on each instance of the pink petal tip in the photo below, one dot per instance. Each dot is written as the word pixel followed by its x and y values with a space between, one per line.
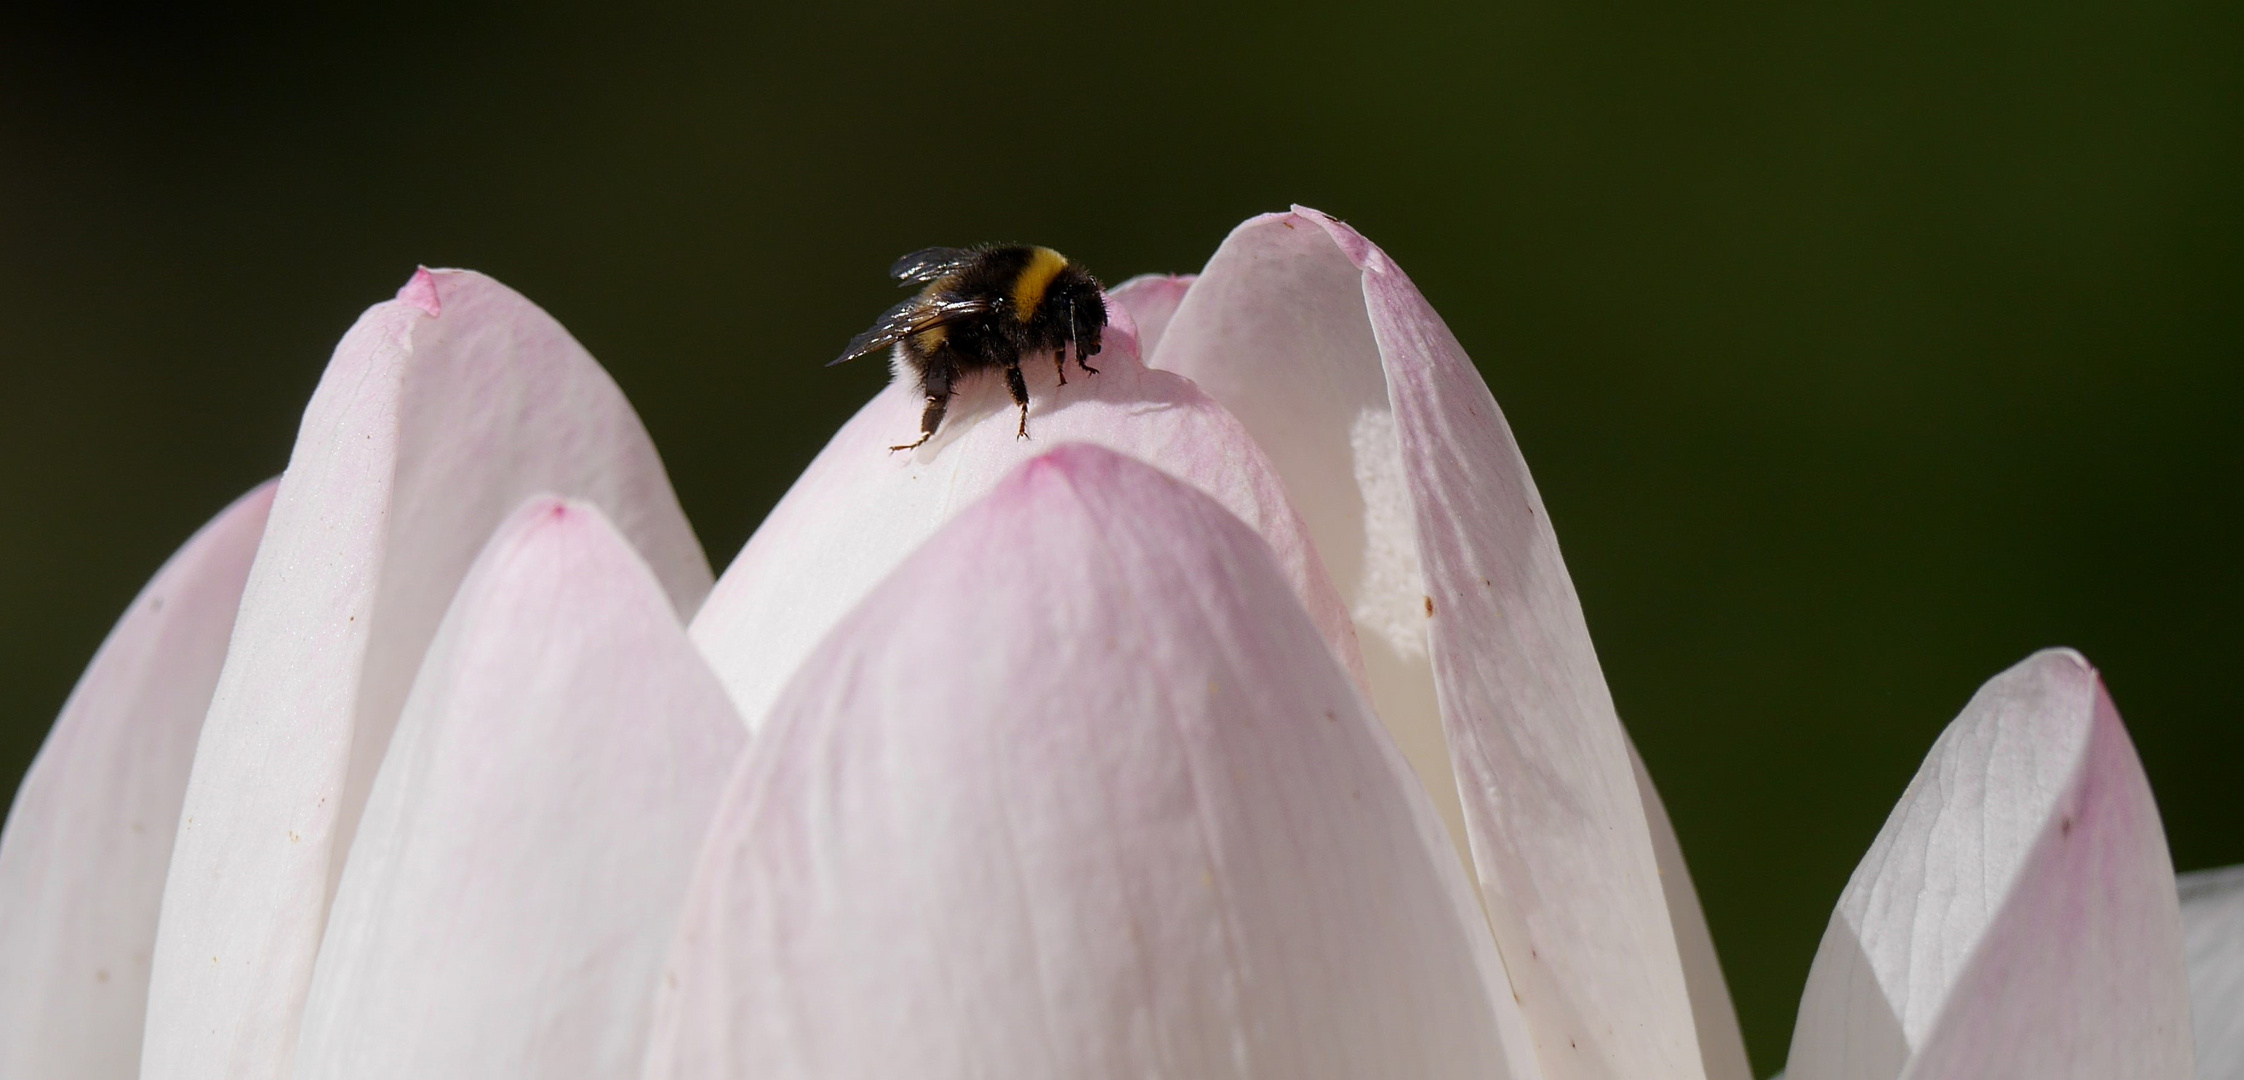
pixel 420 291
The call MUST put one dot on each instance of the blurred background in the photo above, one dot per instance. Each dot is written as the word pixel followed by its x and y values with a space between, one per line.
pixel 1859 348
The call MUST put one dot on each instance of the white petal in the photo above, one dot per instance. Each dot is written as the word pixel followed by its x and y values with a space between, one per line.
pixel 859 509
pixel 1420 504
pixel 525 851
pixel 82 860
pixel 1079 791
pixel 2016 917
pixel 426 430
pixel 2213 924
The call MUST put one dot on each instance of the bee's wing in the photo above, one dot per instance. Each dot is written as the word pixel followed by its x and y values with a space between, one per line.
pixel 927 264
pixel 908 318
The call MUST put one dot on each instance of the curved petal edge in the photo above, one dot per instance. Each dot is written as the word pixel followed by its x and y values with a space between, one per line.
pixel 88 841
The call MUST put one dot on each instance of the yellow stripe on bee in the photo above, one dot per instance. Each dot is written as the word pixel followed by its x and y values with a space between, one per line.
pixel 932 338
pixel 1028 289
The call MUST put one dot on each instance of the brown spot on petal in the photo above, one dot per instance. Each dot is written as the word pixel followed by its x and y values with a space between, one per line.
pixel 1429 607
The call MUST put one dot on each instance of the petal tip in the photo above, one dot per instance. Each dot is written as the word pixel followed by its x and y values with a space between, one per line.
pixel 1060 467
pixel 546 515
pixel 1069 472
pixel 1074 460
pixel 558 511
pixel 420 292
pixel 1361 251
pixel 2065 666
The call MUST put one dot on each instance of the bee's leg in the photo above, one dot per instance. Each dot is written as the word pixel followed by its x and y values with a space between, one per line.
pixel 1059 363
pixel 1019 387
pixel 929 419
pixel 938 401
pixel 1076 337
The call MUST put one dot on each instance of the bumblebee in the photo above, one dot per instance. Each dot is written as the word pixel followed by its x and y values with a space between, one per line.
pixel 985 308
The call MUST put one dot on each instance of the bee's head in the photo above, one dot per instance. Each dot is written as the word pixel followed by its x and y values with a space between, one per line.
pixel 1074 288
pixel 1076 302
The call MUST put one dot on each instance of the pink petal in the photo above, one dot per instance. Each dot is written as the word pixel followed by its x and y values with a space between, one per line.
pixel 525 851
pixel 2016 917
pixel 1479 660
pixel 1151 300
pixel 2213 926
pixel 424 433
pixel 82 860
pixel 859 509
pixel 1078 791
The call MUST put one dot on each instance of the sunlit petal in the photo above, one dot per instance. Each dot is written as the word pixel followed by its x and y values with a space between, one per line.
pixel 525 850
pixel 1421 505
pixel 1078 791
pixel 2016 917
pixel 438 415
pixel 82 861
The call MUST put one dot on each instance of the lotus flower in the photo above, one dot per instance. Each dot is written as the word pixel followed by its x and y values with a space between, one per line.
pixel 1244 723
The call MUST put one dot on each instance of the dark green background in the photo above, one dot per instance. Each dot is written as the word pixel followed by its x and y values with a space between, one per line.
pixel 1859 347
